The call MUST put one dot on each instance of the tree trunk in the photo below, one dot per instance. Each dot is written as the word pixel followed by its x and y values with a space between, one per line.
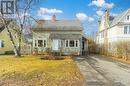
pixel 11 38
pixel 20 39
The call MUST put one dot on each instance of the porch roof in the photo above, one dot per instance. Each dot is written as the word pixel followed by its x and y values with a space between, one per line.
pixel 65 36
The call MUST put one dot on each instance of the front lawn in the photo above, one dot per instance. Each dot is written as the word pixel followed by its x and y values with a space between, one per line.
pixel 33 71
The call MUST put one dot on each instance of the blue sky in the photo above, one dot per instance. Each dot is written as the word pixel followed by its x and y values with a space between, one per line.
pixel 87 11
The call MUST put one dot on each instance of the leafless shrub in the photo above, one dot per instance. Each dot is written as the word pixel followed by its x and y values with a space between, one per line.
pixel 92 46
pixel 122 49
pixel 48 51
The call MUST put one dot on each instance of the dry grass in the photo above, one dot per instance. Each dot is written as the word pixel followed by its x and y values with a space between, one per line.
pixel 32 71
pixel 122 60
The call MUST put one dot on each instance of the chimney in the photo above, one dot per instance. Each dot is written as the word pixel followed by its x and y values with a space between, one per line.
pixel 107 14
pixel 106 25
pixel 54 18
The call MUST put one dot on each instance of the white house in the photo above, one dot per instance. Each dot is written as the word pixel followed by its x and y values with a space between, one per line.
pixel 113 29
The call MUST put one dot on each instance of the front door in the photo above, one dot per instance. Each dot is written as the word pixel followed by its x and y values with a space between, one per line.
pixel 56 44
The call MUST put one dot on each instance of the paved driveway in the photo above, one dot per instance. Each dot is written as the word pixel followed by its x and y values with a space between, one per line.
pixel 102 71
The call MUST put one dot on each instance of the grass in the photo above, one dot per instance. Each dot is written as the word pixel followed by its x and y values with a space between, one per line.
pixel 32 71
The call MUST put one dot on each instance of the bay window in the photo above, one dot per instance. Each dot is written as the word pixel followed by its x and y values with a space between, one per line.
pixel 40 43
pixel 71 43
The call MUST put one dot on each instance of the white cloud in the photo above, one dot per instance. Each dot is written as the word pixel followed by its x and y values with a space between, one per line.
pixel 83 17
pixel 99 12
pixel 46 13
pixel 90 19
pixel 46 17
pixel 109 5
pixel 102 4
pixel 42 11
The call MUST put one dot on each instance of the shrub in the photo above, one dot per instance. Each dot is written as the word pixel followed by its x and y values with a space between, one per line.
pixel 35 51
pixel 48 51
pixel 122 49
pixel 9 52
pixel 49 57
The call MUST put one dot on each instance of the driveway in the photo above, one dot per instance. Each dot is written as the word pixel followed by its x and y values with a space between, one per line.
pixel 102 71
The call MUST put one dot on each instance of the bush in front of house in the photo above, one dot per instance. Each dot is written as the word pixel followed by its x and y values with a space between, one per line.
pixel 9 52
pixel 48 51
pixel 93 48
pixel 35 51
pixel 50 57
pixel 122 49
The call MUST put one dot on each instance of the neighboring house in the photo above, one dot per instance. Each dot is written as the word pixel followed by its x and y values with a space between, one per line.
pixel 63 36
pixel 6 46
pixel 113 30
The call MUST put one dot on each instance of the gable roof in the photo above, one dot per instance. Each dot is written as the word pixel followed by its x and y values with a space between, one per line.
pixel 57 25
pixel 118 18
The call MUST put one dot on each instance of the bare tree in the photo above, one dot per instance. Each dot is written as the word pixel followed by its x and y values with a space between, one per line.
pixel 22 17
pixel 6 23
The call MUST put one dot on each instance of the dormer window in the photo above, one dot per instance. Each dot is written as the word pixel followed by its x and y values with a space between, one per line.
pixel 128 17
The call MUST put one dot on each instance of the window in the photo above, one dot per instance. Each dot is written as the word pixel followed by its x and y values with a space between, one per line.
pixel 76 43
pixel 60 42
pixel 71 43
pixel 125 29
pixel 128 17
pixel 40 43
pixel 45 43
pixel 1 43
pixel 129 29
pixel 66 43
pixel 35 43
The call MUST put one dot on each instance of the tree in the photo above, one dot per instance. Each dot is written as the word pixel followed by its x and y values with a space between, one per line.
pixel 22 18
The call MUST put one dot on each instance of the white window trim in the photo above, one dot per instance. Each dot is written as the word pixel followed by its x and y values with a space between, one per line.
pixel 44 40
pixel 127 17
pixel 67 43
pixel 74 44
pixel 128 30
pixel 36 41
pixel 0 43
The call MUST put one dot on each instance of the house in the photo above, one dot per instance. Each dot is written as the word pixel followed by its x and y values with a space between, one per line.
pixel 62 36
pixel 6 46
pixel 113 29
